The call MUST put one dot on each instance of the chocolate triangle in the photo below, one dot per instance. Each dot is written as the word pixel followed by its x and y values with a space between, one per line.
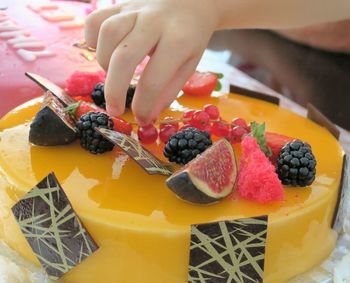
pixel 254 94
pixel 150 163
pixel 319 118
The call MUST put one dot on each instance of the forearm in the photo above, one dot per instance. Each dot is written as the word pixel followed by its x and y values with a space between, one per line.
pixel 279 14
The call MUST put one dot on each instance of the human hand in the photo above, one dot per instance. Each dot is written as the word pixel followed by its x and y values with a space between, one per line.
pixel 173 32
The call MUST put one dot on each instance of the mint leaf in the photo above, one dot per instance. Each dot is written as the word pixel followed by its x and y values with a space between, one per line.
pixel 258 132
pixel 218 86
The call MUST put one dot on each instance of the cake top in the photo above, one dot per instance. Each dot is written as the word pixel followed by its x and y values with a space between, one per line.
pixel 113 188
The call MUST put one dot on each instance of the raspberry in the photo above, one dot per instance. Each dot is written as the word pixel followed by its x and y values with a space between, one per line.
pixel 83 83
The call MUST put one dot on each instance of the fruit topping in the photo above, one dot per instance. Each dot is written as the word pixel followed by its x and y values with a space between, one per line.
pixel 257 179
pixel 169 120
pixel 89 138
pixel 78 109
pixel 147 134
pixel 207 178
pixel 258 132
pixel 236 134
pixel 186 145
pixel 83 83
pixel 296 164
pixel 240 123
pixel 52 125
pixel 98 95
pixel 166 132
pixel 212 111
pixel 275 142
pixel 200 120
pixel 200 84
pixel 220 128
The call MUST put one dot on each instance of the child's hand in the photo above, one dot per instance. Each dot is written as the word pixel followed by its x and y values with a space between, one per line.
pixel 175 34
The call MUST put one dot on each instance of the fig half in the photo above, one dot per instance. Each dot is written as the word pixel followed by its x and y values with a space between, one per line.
pixel 209 177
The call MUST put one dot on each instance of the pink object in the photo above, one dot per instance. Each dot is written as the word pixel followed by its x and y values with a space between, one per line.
pixel 56 62
pixel 71 24
pixel 257 179
pixel 83 83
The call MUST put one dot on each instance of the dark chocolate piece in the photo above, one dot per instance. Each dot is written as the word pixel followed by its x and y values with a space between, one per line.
pixel 319 118
pixel 150 163
pixel 254 94
pixel 52 125
pixel 52 228
pixel 343 198
pixel 46 85
pixel 228 251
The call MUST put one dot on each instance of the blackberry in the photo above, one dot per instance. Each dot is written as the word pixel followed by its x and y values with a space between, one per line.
pixel 98 95
pixel 130 95
pixel 296 164
pixel 186 145
pixel 89 138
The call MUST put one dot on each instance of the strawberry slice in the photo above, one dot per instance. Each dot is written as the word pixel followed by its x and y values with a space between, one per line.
pixel 275 142
pixel 200 84
pixel 80 108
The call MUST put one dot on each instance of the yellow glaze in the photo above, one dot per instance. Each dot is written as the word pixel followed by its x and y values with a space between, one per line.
pixel 142 228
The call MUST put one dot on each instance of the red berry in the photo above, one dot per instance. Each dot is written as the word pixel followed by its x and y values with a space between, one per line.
pixel 188 115
pixel 122 126
pixel 236 133
pixel 166 132
pixel 200 120
pixel 220 129
pixel 240 122
pixel 147 134
pixel 175 124
pixel 200 84
pixel 212 111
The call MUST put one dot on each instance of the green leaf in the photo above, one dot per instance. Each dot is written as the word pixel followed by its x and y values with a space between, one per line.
pixel 258 132
pixel 218 86
pixel 71 109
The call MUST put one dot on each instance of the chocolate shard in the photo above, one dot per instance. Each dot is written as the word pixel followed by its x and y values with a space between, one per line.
pixel 319 118
pixel 150 163
pixel 254 94
pixel 47 85
pixel 343 198
pixel 52 228
pixel 52 125
pixel 228 251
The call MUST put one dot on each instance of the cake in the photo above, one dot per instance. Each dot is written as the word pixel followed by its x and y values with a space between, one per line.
pixel 145 233
pixel 38 37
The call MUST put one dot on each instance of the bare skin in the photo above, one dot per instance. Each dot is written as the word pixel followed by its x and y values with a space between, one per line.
pixel 175 33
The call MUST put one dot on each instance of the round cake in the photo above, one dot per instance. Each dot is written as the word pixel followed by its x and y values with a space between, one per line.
pixel 145 233
pixel 39 37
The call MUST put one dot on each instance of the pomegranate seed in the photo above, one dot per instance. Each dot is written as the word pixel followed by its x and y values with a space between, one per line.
pixel 147 134
pixel 166 132
pixel 200 120
pixel 220 129
pixel 236 133
pixel 212 111
pixel 240 122
pixel 175 124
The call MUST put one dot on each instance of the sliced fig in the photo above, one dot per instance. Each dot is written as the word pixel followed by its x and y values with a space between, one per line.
pixel 207 178
pixel 52 125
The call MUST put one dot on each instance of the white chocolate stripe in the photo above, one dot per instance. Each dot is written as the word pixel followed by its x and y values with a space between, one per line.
pixel 57 15
pixel 30 45
pixel 8 26
pixel 42 6
pixel 21 39
pixel 11 34
pixel 31 56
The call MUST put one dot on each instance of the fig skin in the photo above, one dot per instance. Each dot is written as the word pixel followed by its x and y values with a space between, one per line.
pixel 181 184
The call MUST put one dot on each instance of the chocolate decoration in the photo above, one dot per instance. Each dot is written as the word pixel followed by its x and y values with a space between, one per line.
pixel 228 251
pixel 52 125
pixel 150 163
pixel 52 229
pixel 319 118
pixel 254 94
pixel 46 85
pixel 343 198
